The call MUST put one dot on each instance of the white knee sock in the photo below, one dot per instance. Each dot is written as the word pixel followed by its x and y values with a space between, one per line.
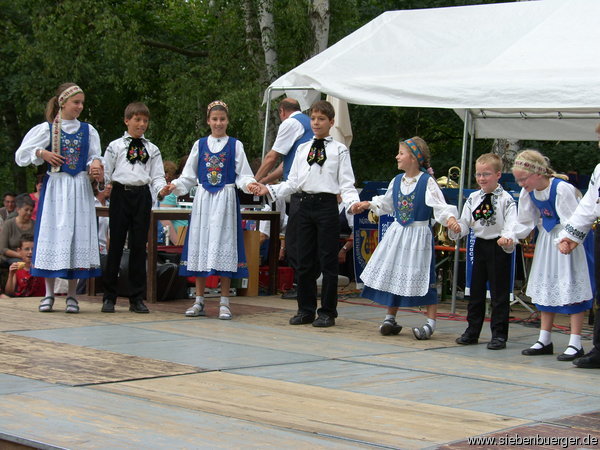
pixel 575 341
pixel 49 286
pixel 72 289
pixel 545 338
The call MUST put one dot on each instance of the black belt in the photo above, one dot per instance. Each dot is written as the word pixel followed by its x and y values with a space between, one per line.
pixel 126 187
pixel 317 196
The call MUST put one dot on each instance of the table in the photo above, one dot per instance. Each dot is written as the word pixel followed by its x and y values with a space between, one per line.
pixel 158 214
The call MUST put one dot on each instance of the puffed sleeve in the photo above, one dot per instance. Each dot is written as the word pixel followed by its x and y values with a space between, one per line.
pixel 434 198
pixel 465 221
pixel 244 175
pixel 37 138
pixel 528 216
pixel 95 150
pixel 189 175
pixel 580 222
pixel 383 204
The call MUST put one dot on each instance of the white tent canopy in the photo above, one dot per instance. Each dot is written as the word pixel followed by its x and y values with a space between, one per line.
pixel 524 70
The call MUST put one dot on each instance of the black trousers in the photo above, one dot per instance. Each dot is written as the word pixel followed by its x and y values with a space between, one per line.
pixel 129 212
pixel 490 264
pixel 596 338
pixel 318 234
pixel 291 235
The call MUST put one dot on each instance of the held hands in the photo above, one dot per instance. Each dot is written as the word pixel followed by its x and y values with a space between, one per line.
pixel 453 224
pixel 96 170
pixel 505 242
pixel 566 246
pixel 258 188
pixel 166 190
pixel 359 207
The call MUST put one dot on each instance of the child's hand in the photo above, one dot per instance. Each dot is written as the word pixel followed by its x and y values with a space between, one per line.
pixel 359 207
pixel 505 242
pixel 453 224
pixel 54 159
pixel 97 170
pixel 258 189
pixel 167 189
pixel 13 267
pixel 566 246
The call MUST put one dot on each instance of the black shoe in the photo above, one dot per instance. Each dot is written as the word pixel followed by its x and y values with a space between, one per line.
pixel 291 294
pixel 589 361
pixel 108 305
pixel 138 306
pixel 324 322
pixel 566 357
pixel 545 350
pixel 466 340
pixel 390 326
pixel 497 343
pixel 302 319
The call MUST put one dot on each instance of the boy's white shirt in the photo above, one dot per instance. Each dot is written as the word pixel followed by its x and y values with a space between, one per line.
pixel 335 176
pixel 505 212
pixel 118 168
pixel 579 224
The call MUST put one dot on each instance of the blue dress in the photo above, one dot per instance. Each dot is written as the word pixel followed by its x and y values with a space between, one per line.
pixel 401 271
pixel 214 244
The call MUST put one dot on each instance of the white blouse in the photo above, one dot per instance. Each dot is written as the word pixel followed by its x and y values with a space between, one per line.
pixel 434 198
pixel 189 176
pixel 39 138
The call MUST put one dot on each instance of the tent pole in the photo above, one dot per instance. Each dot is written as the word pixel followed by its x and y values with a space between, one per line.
pixel 469 171
pixel 460 202
pixel 267 117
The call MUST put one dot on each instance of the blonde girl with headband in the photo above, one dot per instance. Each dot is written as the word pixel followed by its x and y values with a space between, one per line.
pixel 401 271
pixel 214 243
pixel 66 237
pixel 557 283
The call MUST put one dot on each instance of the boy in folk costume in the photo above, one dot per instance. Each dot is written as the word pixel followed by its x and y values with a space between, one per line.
pixel 321 170
pixel 487 211
pixel 133 166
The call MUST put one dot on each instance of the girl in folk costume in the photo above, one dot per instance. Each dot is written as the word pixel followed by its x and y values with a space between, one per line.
pixel 557 283
pixel 214 243
pixel 66 236
pixel 401 271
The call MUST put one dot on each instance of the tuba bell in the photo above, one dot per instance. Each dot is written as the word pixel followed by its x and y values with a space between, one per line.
pixel 449 181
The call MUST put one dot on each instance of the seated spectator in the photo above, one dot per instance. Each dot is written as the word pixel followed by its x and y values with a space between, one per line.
pixel 8 210
pixel 20 282
pixel 35 196
pixel 171 172
pixel 14 229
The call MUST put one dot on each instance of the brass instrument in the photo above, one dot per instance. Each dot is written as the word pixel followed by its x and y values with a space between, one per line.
pixel 449 181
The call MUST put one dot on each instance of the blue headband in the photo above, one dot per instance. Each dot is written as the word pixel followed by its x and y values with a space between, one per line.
pixel 416 152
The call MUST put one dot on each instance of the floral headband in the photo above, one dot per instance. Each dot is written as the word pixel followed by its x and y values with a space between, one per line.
pixel 414 148
pixel 528 166
pixel 216 103
pixel 68 93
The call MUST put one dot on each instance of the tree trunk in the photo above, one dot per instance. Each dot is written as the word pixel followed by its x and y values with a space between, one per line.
pixel 319 21
pixel 507 149
pixel 267 32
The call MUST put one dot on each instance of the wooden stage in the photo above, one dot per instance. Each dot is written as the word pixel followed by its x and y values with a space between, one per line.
pixel 161 380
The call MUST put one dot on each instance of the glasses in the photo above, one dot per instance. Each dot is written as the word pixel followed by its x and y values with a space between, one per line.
pixel 483 175
pixel 523 180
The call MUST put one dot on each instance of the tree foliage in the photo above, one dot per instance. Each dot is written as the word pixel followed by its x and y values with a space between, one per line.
pixel 178 55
